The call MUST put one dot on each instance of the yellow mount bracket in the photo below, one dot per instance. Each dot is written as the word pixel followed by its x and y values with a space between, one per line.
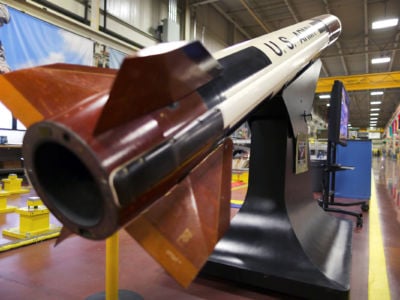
pixel 4 207
pixel 12 184
pixel 34 220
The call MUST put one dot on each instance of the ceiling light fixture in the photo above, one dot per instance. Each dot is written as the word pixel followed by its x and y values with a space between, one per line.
pixel 324 96
pixel 380 60
pixel 375 102
pixel 376 93
pixel 385 23
pixel 373 119
pixel 375 109
pixel 374 114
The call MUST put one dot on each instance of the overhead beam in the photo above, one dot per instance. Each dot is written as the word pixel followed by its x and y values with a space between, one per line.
pixel 337 43
pixel 254 15
pixel 203 2
pixel 396 43
pixel 366 40
pixel 371 81
pixel 352 52
pixel 226 16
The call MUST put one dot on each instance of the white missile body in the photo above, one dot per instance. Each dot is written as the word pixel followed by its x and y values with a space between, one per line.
pixel 290 50
pixel 227 87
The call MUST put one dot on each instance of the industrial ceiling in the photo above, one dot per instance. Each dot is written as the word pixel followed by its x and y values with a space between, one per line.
pixel 350 55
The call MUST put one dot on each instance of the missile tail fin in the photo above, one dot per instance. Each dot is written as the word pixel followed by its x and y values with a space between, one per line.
pixel 181 229
pixel 41 92
pixel 149 82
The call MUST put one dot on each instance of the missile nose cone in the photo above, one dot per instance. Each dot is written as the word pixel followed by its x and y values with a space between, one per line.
pixel 333 25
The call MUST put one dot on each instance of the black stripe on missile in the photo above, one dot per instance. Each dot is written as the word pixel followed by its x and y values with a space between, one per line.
pixel 236 67
pixel 144 174
pixel 198 54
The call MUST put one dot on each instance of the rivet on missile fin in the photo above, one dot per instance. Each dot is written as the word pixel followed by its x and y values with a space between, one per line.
pixel 85 233
pixel 173 105
pixel 66 137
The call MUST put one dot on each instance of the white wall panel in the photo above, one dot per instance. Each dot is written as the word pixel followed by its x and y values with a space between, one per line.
pixel 128 32
pixel 14 137
pixel 214 30
pixel 143 14
pixel 71 5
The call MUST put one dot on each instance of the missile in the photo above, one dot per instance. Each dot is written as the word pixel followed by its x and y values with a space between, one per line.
pixel 147 147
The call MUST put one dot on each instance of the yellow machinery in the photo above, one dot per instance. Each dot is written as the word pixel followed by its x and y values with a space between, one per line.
pixel 13 185
pixel 34 220
pixel 242 176
pixel 4 207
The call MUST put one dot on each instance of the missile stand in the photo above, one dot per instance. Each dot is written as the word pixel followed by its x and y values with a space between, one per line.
pixel 281 240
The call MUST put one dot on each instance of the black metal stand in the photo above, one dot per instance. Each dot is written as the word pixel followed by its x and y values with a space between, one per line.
pixel 280 239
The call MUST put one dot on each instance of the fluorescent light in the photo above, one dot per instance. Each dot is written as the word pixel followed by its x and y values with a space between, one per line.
pixel 374 114
pixel 324 96
pixel 373 118
pixel 375 109
pixel 385 23
pixel 376 93
pixel 375 102
pixel 380 60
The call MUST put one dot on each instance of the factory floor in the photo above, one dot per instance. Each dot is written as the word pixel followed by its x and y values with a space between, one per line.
pixel 75 269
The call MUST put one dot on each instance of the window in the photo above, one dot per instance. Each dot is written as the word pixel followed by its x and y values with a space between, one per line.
pixel 7 121
pixel 6 118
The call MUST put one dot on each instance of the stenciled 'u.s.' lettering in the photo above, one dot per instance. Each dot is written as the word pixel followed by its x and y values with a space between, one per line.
pixel 274 47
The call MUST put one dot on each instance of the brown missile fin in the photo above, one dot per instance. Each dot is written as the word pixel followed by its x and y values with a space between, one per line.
pixel 147 82
pixel 41 92
pixel 181 229
pixel 64 234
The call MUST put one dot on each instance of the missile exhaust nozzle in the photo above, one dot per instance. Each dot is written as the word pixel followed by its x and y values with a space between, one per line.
pixel 64 171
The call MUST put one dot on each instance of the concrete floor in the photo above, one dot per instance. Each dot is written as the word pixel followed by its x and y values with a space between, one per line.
pixel 75 269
